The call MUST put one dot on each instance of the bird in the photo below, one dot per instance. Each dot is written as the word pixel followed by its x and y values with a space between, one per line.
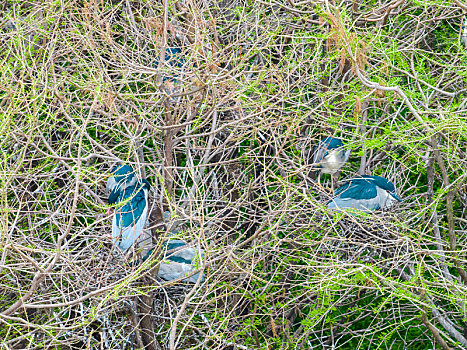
pixel 176 265
pixel 330 155
pixel 367 193
pixel 12 24
pixel 131 197
pixel 173 58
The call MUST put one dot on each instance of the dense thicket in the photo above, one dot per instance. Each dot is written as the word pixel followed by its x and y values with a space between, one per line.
pixel 222 137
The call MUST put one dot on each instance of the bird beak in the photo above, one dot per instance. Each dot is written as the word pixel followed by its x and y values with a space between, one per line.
pixel 397 197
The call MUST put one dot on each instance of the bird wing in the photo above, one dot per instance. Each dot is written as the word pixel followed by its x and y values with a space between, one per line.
pixel 185 255
pixel 358 194
pixel 357 189
pixel 126 236
pixel 173 244
pixel 135 204
pixel 343 188
pixel 114 195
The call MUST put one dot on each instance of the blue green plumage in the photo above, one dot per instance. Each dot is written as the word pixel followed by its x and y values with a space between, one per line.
pixel 132 210
pixel 367 193
pixel 173 57
pixel 354 189
pixel 130 196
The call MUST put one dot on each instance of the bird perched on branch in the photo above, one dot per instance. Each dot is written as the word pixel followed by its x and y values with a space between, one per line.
pixel 367 193
pixel 327 157
pixel 131 197
pixel 330 155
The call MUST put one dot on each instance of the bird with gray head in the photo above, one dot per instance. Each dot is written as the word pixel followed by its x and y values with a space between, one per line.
pixel 131 197
pixel 330 155
pixel 366 193
pixel 122 177
pixel 327 157
pixel 178 264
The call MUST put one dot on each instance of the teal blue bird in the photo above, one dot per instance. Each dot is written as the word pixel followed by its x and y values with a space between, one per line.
pixel 327 157
pixel 130 217
pixel 173 57
pixel 330 155
pixel 366 193
pixel 178 264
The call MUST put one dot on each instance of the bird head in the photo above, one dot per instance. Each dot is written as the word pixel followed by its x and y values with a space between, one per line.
pixel 332 142
pixel 120 174
pixel 330 154
pixel 385 184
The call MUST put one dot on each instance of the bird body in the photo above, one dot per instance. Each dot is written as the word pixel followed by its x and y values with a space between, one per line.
pixel 131 197
pixel 330 155
pixel 172 58
pixel 180 263
pixel 366 193
pixel 332 162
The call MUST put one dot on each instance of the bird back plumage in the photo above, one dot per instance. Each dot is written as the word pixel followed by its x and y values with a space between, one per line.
pixel 173 58
pixel 176 265
pixel 365 193
pixel 131 211
pixel 357 189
